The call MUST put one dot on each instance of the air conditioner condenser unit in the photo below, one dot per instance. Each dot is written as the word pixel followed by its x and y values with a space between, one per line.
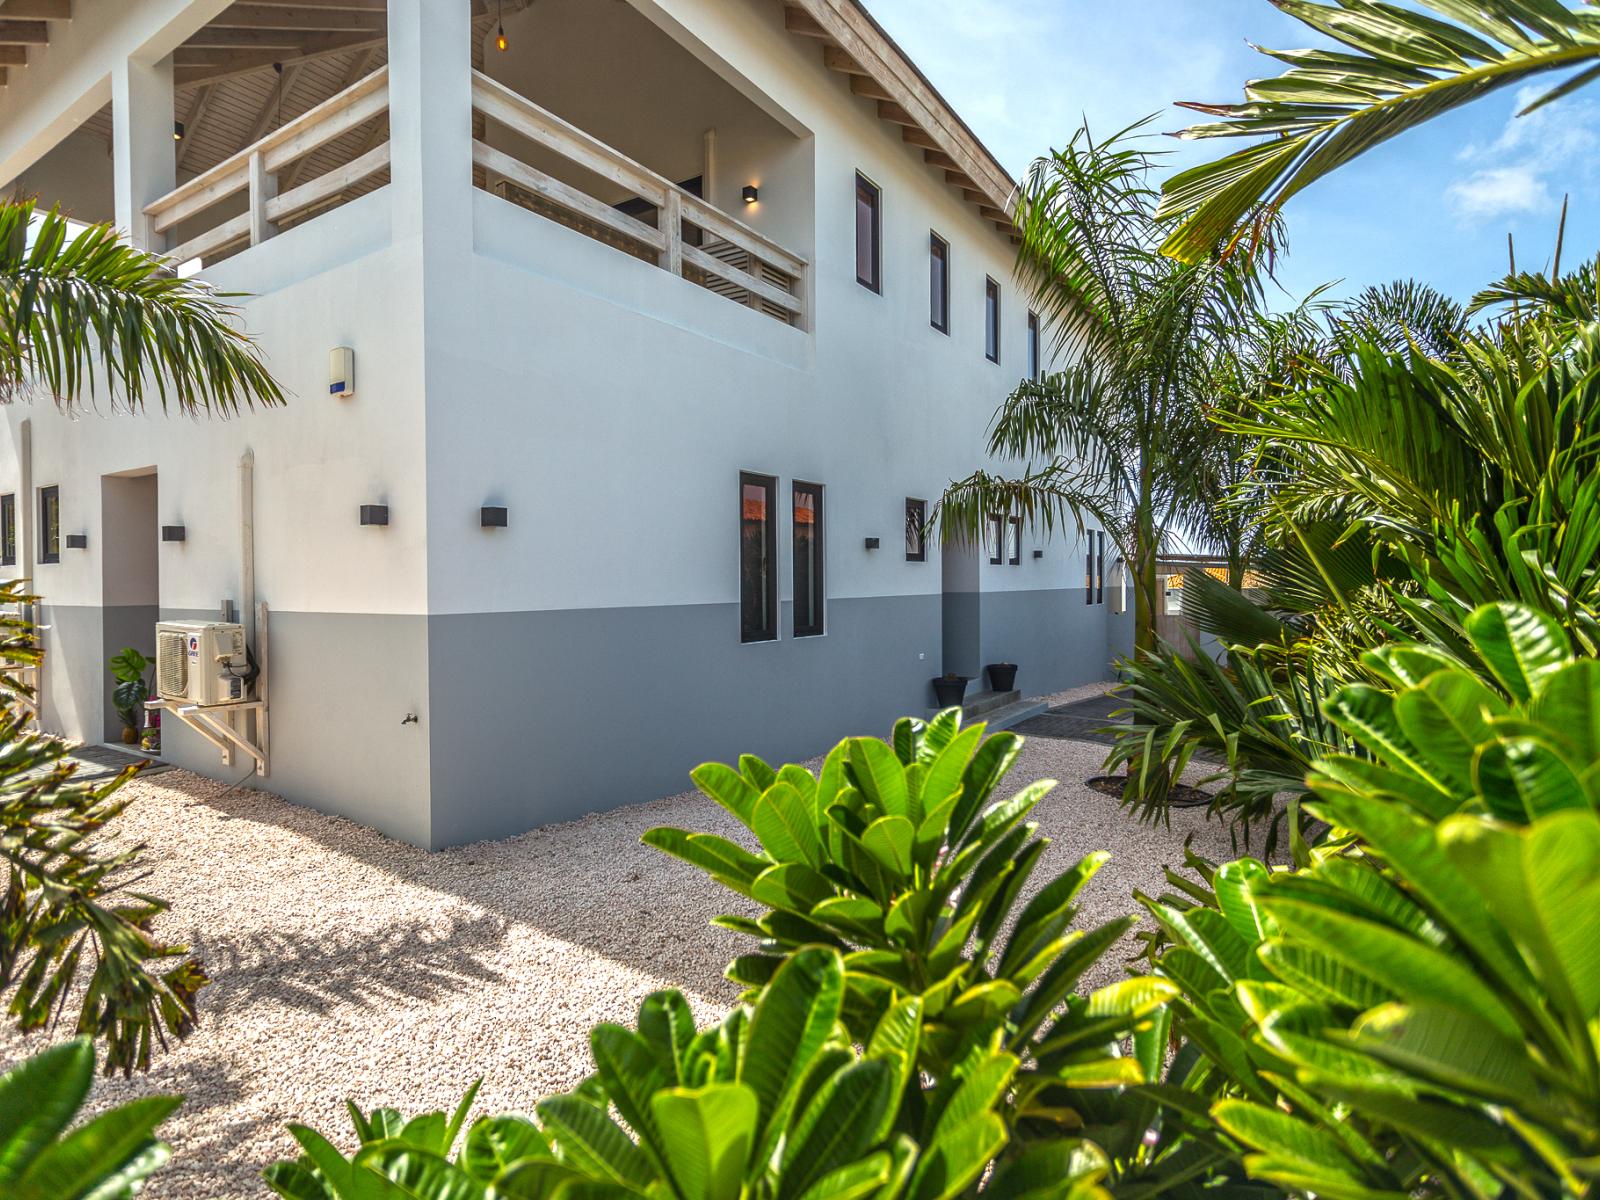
pixel 201 662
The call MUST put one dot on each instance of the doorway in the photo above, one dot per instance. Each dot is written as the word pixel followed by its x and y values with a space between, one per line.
pixel 130 566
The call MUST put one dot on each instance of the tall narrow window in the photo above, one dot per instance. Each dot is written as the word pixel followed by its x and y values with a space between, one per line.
pixel 991 320
pixel 997 539
pixel 758 558
pixel 916 530
pixel 808 595
pixel 50 524
pixel 938 283
pixel 1014 541
pixel 869 235
pixel 1033 345
pixel 1088 570
pixel 1100 569
pixel 8 530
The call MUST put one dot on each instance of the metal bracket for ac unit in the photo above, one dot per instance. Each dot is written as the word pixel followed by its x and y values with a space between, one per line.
pixel 219 724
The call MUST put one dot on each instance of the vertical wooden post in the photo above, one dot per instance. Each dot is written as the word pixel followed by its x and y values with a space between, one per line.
pixel 672 226
pixel 263 680
pixel 263 187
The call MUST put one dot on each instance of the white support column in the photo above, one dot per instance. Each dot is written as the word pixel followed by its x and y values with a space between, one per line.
pixel 430 121
pixel 143 153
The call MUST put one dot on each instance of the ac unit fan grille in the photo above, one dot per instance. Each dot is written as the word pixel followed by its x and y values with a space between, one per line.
pixel 172 666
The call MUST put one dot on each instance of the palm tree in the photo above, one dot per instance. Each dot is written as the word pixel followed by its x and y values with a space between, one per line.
pixel 1396 68
pixel 1121 435
pixel 69 302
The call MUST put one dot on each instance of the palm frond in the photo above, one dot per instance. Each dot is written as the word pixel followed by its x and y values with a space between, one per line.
pixel 1397 68
pixel 87 312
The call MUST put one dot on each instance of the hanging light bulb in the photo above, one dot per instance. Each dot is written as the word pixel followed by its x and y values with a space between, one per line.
pixel 500 29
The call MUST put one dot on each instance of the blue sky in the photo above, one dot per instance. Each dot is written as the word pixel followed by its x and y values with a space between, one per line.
pixel 1435 204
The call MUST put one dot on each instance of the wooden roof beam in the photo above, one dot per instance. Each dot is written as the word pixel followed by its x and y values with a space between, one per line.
pixel 865 85
pixel 13 56
pixel 38 10
pixel 193 123
pixel 836 59
pixel 918 137
pixel 23 33
pixel 214 38
pixel 302 17
pixel 802 23
pixel 889 111
pixel 368 6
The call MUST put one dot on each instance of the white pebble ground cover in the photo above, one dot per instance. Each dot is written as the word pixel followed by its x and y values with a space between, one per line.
pixel 348 965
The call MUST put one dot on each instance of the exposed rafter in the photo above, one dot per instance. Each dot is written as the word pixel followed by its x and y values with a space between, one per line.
pixel 317 19
pixel 854 45
pixel 23 33
pixel 194 122
pixel 39 10
pixel 194 67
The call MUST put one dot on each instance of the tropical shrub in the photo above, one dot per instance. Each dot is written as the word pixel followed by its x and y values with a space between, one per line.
pixel 894 856
pixel 107 1158
pixel 773 1102
pixel 131 670
pixel 1415 1011
pixel 66 918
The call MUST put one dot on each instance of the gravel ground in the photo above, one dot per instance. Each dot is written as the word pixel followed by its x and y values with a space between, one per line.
pixel 346 964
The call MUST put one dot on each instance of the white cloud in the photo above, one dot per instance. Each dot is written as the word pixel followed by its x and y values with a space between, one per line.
pixel 1519 170
pixel 1498 192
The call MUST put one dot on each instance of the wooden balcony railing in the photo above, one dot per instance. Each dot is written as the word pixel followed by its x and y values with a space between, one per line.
pixel 689 237
pixel 257 167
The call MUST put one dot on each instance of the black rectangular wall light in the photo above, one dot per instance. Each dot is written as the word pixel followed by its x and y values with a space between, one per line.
pixel 374 514
pixel 174 533
pixel 1038 553
pixel 872 543
pixel 492 516
pixel 77 541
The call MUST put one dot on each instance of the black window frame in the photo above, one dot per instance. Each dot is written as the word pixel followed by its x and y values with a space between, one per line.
pixel 768 569
pixel 1035 359
pixel 1100 569
pixel 917 520
pixel 991 319
pixel 1014 541
pixel 8 530
pixel 875 283
pixel 1088 568
pixel 997 539
pixel 938 283
pixel 818 599
pixel 49 539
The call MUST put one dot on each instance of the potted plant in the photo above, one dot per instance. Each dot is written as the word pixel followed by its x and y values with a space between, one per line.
pixel 131 670
pixel 1002 676
pixel 948 690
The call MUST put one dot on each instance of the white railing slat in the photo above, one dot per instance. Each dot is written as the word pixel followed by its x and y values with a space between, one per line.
pixel 323 187
pixel 568 197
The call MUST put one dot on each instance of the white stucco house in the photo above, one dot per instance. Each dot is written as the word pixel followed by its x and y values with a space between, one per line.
pixel 667 320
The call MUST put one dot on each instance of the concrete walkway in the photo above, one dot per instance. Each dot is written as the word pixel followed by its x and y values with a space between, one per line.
pixel 346 964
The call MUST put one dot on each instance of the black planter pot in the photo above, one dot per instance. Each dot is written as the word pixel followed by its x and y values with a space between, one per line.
pixel 1002 676
pixel 949 689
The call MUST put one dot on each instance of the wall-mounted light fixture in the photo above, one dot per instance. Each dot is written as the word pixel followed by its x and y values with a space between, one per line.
pixel 174 533
pixel 177 131
pixel 77 541
pixel 500 42
pixel 872 543
pixel 374 514
pixel 492 516
pixel 750 194
pixel 342 372
pixel 1038 553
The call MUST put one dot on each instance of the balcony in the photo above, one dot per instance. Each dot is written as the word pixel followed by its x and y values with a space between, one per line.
pixel 557 156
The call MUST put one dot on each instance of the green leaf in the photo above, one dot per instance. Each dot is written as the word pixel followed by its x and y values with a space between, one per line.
pixel 728 788
pixel 889 841
pixel 784 823
pixel 80 1163
pixel 957 1157
pixel 706 1137
pixel 794 1020
pixel 593 1142
pixel 1044 1169
pixel 495 1143
pixel 1284 1136
pixel 38 1099
pixel 848 1116
pixel 1449 1048
pixel 1522 647
pixel 1526 778
pixel 881 777
pixel 865 1177
pixel 728 863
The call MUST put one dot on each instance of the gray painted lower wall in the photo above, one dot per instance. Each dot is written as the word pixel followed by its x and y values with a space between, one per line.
pixel 1056 640
pixel 545 716
pixel 532 717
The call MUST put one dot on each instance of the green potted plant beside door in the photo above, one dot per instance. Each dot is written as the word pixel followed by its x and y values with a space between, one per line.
pixel 131 670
